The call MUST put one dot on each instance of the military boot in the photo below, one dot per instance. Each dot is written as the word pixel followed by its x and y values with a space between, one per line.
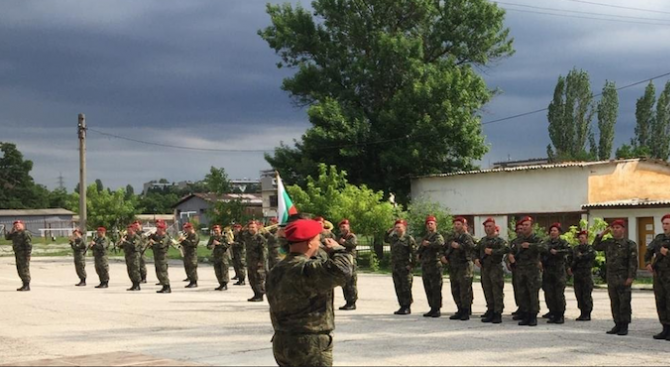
pixel 144 281
pixel 520 316
pixel 240 282
pixel 623 330
pixel 24 288
pixel 556 319
pixel 525 321
pixel 405 311
pixel 518 311
pixel 137 287
pixel 614 330
pixel 256 298
pixel 400 311
pixel 497 318
pixel 234 278
pixel 457 315
pixel 663 334
pixel 224 287
pixel 348 307
pixel 100 285
pixel 547 315
pixel 532 320
pixel 186 280
pixel 82 283
pixel 489 318
pixel 192 285
pixel 158 284
pixel 436 314
pixel 488 313
pixel 219 288
pixel 429 313
pixel 465 316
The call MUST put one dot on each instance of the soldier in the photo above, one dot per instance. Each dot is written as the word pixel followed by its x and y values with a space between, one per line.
pixel 273 236
pixel 458 255
pixel 300 294
pixel 190 243
pixel 621 257
pixel 257 254
pixel 239 256
pixel 429 253
pixel 657 262
pixel 403 260
pixel 492 249
pixel 554 277
pixel 23 248
pixel 132 247
pixel 79 252
pixel 220 245
pixel 581 270
pixel 349 241
pixel 100 246
pixel 143 242
pixel 512 269
pixel 160 245
pixel 526 256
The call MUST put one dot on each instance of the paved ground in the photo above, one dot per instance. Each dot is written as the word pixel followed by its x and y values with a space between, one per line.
pixel 58 320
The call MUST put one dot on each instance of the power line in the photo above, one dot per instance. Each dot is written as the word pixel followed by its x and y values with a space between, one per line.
pixel 580 12
pixel 585 17
pixel 619 6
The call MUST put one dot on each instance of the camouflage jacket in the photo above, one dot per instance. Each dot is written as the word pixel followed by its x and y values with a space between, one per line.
pixel 583 257
pixel 191 241
pixel 21 241
pixel 499 247
pixel 78 245
pixel 100 246
pixel 160 243
pixel 219 251
pixel 653 255
pixel 621 256
pixel 403 250
pixel 257 251
pixel 132 244
pixel 462 255
pixel 530 257
pixel 431 254
pixel 274 252
pixel 558 261
pixel 350 243
pixel 300 292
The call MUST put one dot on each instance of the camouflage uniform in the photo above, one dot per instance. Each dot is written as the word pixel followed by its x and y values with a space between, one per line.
pixel 461 271
pixel 160 248
pixel 621 257
pixel 582 265
pixel 219 257
pixel 431 268
pixel 528 279
pixel 100 248
pixel 274 245
pixel 300 294
pixel 661 266
pixel 23 249
pixel 350 290
pixel 239 258
pixel 79 251
pixel 132 247
pixel 190 246
pixel 555 277
pixel 493 275
pixel 257 255
pixel 143 259
pixel 403 255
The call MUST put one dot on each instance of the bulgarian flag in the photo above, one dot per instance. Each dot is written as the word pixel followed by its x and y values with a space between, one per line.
pixel 285 207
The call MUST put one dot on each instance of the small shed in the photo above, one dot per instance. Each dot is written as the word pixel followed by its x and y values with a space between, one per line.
pixel 39 222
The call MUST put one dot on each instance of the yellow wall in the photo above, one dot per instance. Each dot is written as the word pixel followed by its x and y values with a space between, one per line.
pixel 629 180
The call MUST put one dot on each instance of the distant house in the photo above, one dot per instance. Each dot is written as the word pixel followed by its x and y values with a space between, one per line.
pixel 269 191
pixel 39 222
pixel 197 205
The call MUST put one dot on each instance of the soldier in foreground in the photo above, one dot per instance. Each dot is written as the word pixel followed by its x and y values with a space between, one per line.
pixel 621 257
pixel 79 253
pixel 555 277
pixel 132 247
pixel 658 263
pixel 190 245
pixel 492 249
pixel 160 245
pixel 100 246
pixel 512 268
pixel 239 256
pixel 347 239
pixel 23 249
pixel 300 294
pixel 257 255
pixel 219 246
pixel 143 242
pixel 430 252
pixel 403 260
pixel 583 257
pixel 458 255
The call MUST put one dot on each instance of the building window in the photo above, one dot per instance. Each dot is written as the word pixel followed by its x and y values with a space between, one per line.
pixel 274 202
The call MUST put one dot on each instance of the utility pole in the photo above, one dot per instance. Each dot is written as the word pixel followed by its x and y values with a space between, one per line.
pixel 82 173
pixel 61 181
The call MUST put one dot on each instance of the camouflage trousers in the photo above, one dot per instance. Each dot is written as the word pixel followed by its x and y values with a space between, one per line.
pixel 161 265
pixel 303 349
pixel 239 262
pixel 493 283
pixel 191 264
pixel 221 270
pixel 257 275
pixel 133 265
pixel 528 283
pixel 350 289
pixel 102 268
pixel 620 298
pixel 80 264
pixel 515 289
pixel 460 278
pixel 143 267
pixel 432 284
pixel 23 265
pixel 584 291
pixel 662 294
pixel 402 280
pixel 553 284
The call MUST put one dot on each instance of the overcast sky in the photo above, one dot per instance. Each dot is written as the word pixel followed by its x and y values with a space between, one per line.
pixel 195 73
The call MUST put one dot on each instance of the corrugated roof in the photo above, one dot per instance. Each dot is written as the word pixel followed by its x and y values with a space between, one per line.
pixel 630 203
pixel 544 167
pixel 33 212
pixel 252 199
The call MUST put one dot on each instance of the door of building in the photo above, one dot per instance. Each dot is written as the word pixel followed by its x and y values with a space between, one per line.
pixel 645 234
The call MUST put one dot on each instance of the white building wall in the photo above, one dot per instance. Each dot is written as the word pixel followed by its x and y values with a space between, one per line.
pixel 632 215
pixel 535 191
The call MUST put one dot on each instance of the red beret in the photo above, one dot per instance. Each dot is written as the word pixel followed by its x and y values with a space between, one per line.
pixel 102 229
pixel 319 219
pixel 274 220
pixel 667 216
pixel 431 218
pixel 344 221
pixel 619 222
pixel 132 226
pixel 557 226
pixel 161 225
pixel 460 219
pixel 188 225
pixel 489 220
pixel 526 219
pixel 18 222
pixel 302 230
pixel 401 221
pixel 216 226
pixel 237 225
pixel 583 233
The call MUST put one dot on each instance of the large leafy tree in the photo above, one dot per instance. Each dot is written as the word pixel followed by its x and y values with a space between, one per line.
pixel 660 128
pixel 391 86
pixel 17 188
pixel 111 209
pixel 608 112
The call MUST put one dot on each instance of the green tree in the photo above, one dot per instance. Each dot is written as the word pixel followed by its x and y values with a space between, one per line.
pixel 111 210
pixel 598 226
pixel 659 142
pixel 130 192
pixel 59 198
pixel 157 202
pixel 391 86
pixel 644 115
pixel 608 112
pixel 217 181
pixel 99 185
pixel 570 114
pixel 17 188
pixel 421 208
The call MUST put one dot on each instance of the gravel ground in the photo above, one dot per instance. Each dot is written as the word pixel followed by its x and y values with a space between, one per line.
pixel 57 320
